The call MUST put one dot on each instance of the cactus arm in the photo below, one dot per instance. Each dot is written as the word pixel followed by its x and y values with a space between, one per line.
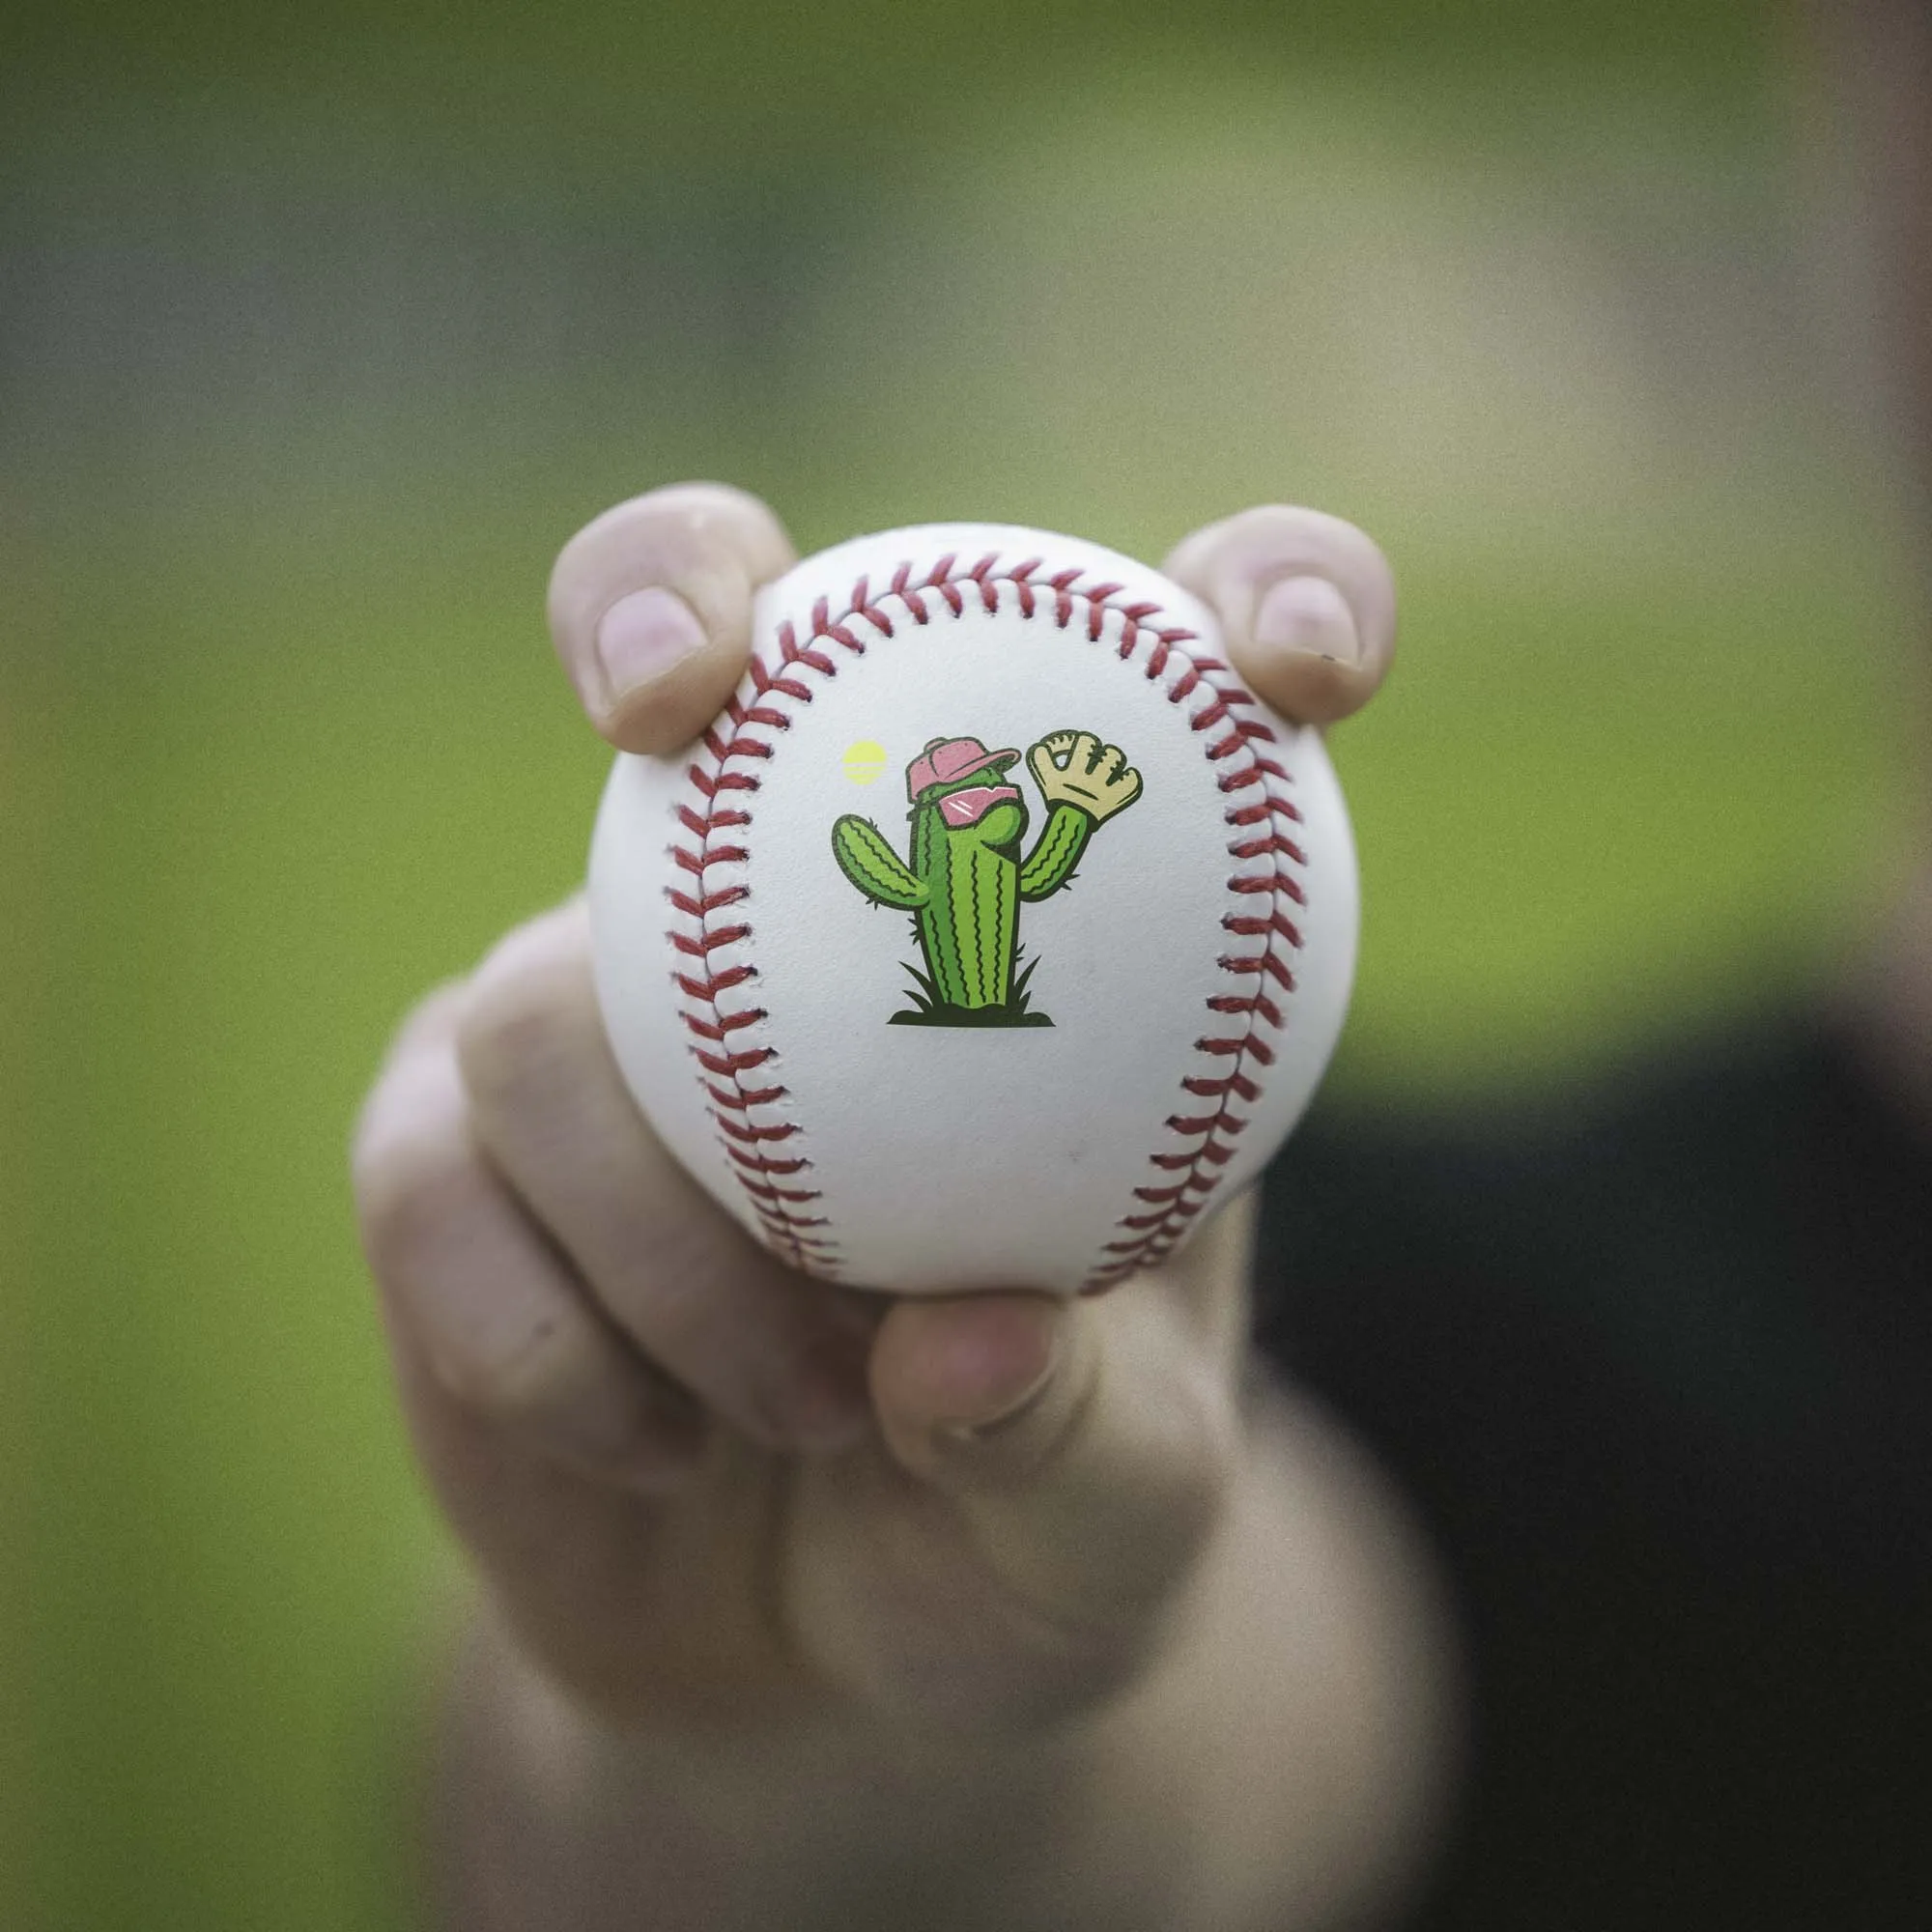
pixel 873 866
pixel 1056 851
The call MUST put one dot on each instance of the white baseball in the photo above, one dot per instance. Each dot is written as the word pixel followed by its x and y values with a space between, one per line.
pixel 867 1082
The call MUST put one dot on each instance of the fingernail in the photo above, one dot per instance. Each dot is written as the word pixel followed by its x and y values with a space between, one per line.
pixel 1004 1412
pixel 642 637
pixel 1308 613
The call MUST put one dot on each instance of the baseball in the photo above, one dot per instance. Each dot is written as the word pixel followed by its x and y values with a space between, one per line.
pixel 993 936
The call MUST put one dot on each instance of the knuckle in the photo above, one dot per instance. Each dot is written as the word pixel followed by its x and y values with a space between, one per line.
pixel 689 536
pixel 411 1168
pixel 515 1379
pixel 521 1005
pixel 1262 540
pixel 428 1021
pixel 718 516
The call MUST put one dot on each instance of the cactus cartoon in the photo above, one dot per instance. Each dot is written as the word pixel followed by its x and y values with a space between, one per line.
pixel 966 878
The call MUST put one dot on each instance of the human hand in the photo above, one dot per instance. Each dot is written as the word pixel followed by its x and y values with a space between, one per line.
pixel 701 1488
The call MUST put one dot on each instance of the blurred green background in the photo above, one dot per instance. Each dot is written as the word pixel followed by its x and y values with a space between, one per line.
pixel 320 332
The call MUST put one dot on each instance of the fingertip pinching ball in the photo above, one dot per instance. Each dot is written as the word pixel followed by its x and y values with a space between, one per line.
pixel 993 936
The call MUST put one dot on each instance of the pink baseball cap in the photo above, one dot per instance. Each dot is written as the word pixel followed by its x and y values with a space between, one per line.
pixel 945 760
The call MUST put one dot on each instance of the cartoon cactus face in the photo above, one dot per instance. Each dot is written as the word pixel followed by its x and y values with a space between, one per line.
pixel 966 878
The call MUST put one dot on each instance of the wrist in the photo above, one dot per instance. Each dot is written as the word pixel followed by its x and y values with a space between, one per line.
pixel 1278 1759
pixel 550 1815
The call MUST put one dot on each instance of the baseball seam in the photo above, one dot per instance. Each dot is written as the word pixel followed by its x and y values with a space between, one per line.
pixel 743 1084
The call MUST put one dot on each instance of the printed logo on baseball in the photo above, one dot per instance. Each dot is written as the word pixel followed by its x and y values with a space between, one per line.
pixel 993 936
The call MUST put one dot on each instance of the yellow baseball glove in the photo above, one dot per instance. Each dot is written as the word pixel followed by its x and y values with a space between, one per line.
pixel 1075 768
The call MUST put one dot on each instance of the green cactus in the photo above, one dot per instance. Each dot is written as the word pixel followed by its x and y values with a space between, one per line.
pixel 966 879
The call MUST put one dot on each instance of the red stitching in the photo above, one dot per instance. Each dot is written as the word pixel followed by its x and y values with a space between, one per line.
pixel 1261 822
pixel 732 1097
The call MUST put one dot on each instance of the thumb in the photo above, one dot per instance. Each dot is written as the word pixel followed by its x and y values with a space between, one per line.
pixel 650 609
pixel 1087 1448
pixel 1306 603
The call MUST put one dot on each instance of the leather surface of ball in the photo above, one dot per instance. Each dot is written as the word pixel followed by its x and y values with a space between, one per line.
pixel 994 936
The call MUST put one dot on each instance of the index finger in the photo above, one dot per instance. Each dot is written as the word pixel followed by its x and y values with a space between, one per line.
pixel 1306 604
pixel 650 609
